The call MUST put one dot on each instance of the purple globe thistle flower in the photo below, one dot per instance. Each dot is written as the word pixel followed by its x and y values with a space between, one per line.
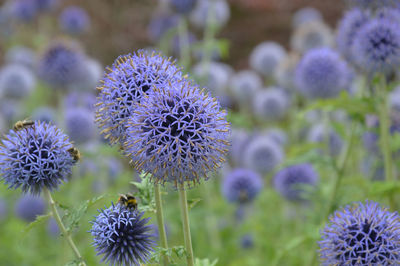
pixel 361 234
pixel 215 76
pixel 77 99
pixel 177 136
pixel 376 46
pixel 321 73
pixel 22 56
pixel 92 72
pixel 183 6
pixel 241 185
pixel 270 104
pixel 247 241
pixel 290 181
pixel 160 24
pixel 265 58
pixel 28 207
pixel 16 81
pixel 319 133
pixel 348 27
pixel 124 84
pixel 3 209
pixel 79 124
pixel 74 20
pixel 310 36
pixel 46 5
pixel 52 227
pixel 262 154
pixel 215 10
pixel 306 15
pixel 35 157
pixel 44 114
pixel 239 140
pixel 24 10
pixel 121 236
pixel 61 64
pixel 278 135
pixel 244 85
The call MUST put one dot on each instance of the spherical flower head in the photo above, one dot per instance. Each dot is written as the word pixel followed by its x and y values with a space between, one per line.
pixel 16 81
pixel 290 182
pixel 35 157
pixel 361 234
pixel 61 64
pixel 215 10
pixel 28 207
pixel 121 236
pixel 321 73
pixel 376 46
pixel 21 55
pixel 124 84
pixel 92 74
pixel 177 135
pixel 270 104
pixel 278 135
pixel 24 10
pixel 285 72
pixel 74 20
pixel 244 84
pixel 215 76
pixel 306 15
pixel 310 36
pixel 241 185
pixel 348 27
pixel 262 154
pixel 79 124
pixel 265 58
pixel 183 6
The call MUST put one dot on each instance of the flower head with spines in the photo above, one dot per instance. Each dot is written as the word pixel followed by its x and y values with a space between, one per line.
pixel 124 83
pixel 361 234
pixel 122 236
pixel 35 157
pixel 177 135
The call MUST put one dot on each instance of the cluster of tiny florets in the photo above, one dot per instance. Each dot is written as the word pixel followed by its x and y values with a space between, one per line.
pixel 177 136
pixel 124 84
pixel 122 236
pixel 35 157
pixel 361 234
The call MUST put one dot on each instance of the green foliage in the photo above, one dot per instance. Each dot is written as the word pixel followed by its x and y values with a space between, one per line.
pixel 145 192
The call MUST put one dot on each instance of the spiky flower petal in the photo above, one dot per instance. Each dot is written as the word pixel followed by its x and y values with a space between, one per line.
pixel 177 135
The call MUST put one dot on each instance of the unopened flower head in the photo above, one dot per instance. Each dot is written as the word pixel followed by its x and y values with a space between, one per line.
pixel 121 236
pixel 177 135
pixel 35 157
pixel 361 234
pixel 124 84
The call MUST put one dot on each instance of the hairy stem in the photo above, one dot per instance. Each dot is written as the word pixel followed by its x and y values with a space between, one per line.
pixel 160 222
pixel 64 231
pixel 186 226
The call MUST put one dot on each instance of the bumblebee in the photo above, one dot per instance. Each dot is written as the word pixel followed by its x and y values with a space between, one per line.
pixel 76 155
pixel 19 125
pixel 128 201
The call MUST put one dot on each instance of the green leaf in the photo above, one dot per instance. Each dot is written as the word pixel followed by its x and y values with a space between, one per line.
pixel 179 251
pixel 145 193
pixel 205 262
pixel 73 216
pixel 384 188
pixel 38 221
pixel 193 202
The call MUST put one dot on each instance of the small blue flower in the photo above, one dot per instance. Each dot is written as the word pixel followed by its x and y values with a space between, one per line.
pixel 177 135
pixel 35 157
pixel 24 10
pixel 290 181
pixel 241 185
pixel 124 84
pixel 28 207
pixel 266 57
pixel 321 73
pixel 361 234
pixel 74 20
pixel 79 124
pixel 16 81
pixel 376 46
pixel 61 64
pixel 121 236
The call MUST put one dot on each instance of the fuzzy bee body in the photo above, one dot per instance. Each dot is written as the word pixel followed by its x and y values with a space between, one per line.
pixel 76 155
pixel 19 125
pixel 128 201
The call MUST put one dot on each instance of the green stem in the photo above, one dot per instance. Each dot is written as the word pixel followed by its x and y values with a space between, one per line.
pixel 208 40
pixel 384 126
pixel 160 222
pixel 186 226
pixel 184 43
pixel 64 231
pixel 211 223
